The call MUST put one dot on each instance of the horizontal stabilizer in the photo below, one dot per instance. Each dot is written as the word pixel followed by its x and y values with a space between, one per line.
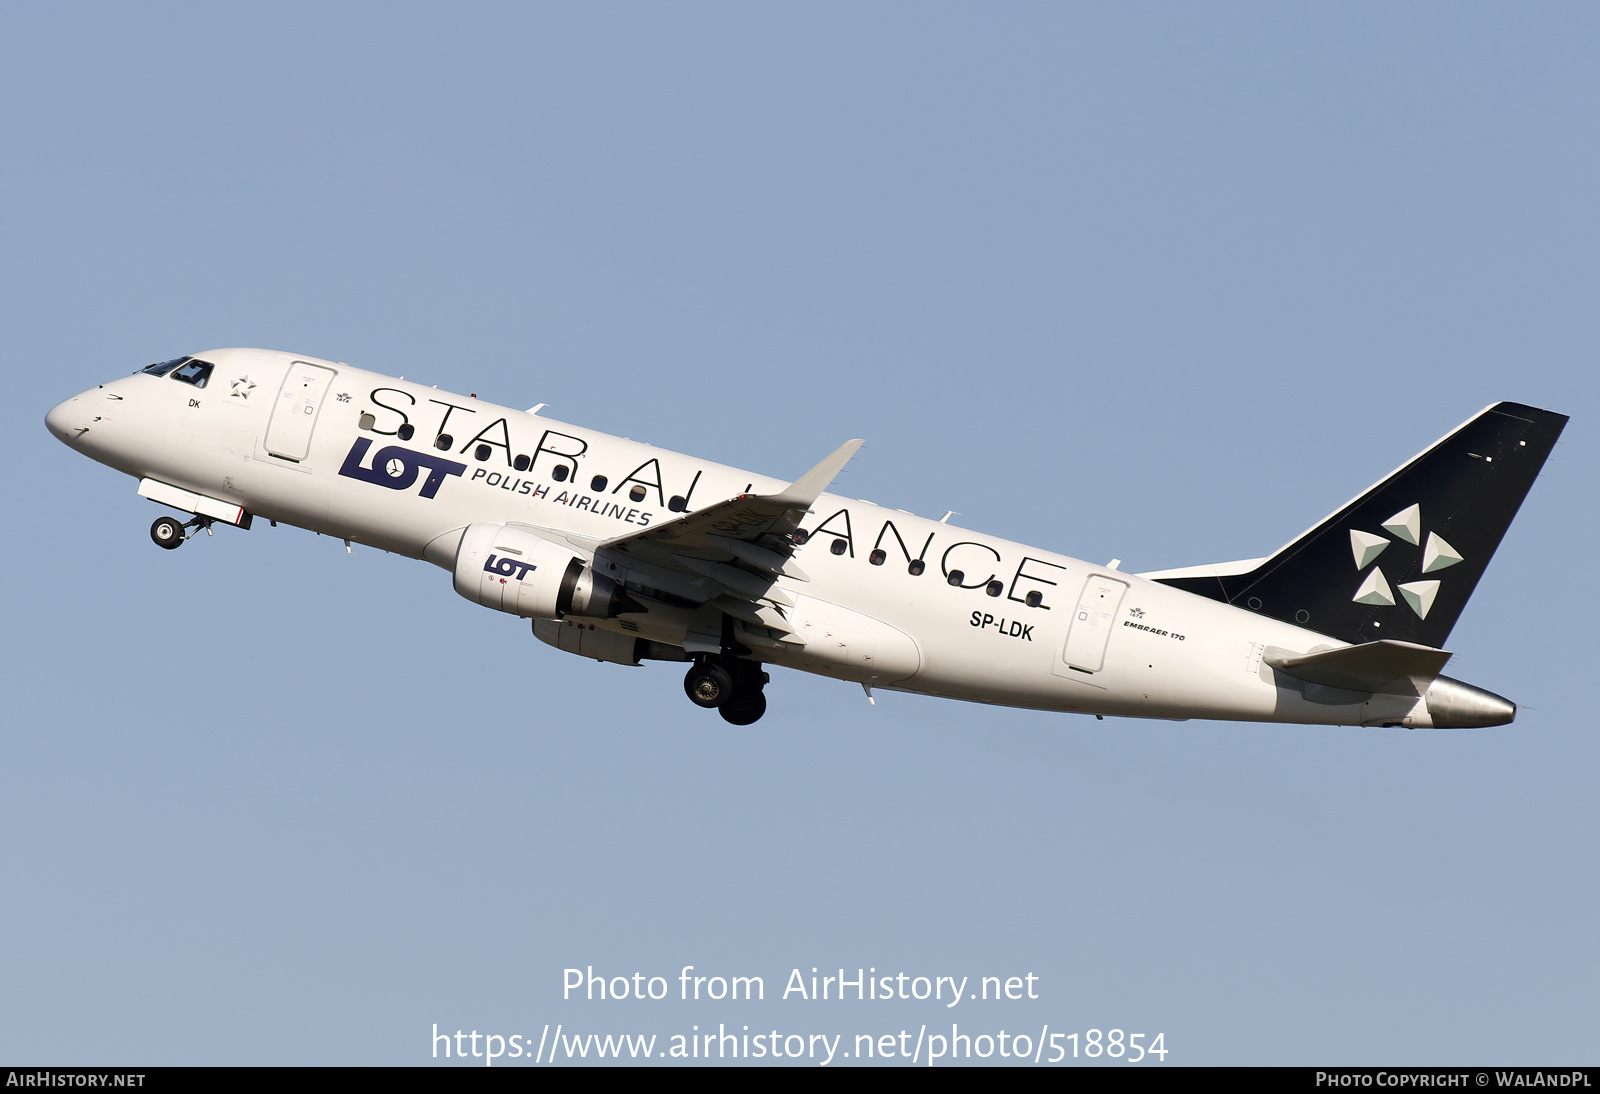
pixel 1384 666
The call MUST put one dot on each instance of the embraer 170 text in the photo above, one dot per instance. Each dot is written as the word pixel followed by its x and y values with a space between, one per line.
pixel 622 552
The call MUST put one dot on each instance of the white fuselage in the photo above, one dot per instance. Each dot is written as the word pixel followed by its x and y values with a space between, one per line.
pixel 1099 641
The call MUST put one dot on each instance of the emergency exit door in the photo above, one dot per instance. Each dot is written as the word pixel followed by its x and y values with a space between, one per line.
pixel 1092 622
pixel 294 416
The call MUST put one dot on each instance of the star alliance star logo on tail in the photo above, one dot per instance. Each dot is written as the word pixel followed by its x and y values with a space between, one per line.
pixel 1405 526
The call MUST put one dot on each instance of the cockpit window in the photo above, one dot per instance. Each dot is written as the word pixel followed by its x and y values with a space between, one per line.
pixel 194 372
pixel 161 368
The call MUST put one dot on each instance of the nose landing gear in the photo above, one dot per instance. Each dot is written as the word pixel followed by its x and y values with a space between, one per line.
pixel 168 533
pixel 731 686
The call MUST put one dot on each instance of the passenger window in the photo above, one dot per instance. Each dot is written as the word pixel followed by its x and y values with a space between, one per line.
pixel 994 588
pixel 800 536
pixel 677 503
pixel 1035 598
pixel 636 494
pixel 520 463
pixel 598 483
pixel 194 372
pixel 559 473
pixel 878 557
pixel 839 547
pixel 443 442
pixel 916 567
pixel 482 452
pixel 956 577
pixel 367 421
pixel 406 432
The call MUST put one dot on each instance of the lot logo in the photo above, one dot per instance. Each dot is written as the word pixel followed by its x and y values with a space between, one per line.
pixel 508 567
pixel 397 468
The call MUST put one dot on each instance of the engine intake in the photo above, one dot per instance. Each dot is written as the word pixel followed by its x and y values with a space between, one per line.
pixel 512 569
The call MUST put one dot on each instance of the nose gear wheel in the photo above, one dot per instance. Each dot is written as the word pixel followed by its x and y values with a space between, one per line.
pixel 167 533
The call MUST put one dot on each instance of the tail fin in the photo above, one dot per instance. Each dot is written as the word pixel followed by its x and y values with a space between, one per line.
pixel 1400 561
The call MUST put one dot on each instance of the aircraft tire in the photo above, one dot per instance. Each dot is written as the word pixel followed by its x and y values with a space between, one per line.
pixel 744 710
pixel 708 685
pixel 167 533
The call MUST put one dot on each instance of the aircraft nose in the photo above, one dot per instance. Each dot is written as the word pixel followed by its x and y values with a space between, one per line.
pixel 61 418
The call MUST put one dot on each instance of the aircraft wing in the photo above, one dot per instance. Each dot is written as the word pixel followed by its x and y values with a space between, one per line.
pixel 733 552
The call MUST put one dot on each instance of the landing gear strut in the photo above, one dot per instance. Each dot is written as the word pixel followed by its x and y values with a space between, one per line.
pixel 731 686
pixel 168 533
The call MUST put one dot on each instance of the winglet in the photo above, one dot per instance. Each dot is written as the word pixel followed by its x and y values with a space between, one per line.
pixel 808 487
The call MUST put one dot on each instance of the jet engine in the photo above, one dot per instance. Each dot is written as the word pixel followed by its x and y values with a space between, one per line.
pixel 513 569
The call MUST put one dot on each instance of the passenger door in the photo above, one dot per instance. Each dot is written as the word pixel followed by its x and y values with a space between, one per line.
pixel 294 415
pixel 1092 622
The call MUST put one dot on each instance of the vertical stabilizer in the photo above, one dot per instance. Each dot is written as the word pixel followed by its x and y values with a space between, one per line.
pixel 1400 561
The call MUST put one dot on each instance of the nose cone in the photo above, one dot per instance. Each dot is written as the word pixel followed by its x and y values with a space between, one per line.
pixel 62 419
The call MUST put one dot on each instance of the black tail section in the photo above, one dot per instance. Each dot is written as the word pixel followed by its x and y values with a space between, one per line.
pixel 1401 560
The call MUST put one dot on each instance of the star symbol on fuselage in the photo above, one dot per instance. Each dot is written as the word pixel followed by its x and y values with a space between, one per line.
pixel 242 387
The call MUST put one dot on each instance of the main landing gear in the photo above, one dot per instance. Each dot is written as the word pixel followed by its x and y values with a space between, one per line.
pixel 169 533
pixel 732 686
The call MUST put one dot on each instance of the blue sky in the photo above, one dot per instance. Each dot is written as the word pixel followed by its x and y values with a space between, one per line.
pixel 1159 282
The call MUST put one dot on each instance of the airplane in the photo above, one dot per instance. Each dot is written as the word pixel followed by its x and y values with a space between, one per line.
pixel 626 553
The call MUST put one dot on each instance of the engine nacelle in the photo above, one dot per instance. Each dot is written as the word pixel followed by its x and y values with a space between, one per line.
pixel 514 570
